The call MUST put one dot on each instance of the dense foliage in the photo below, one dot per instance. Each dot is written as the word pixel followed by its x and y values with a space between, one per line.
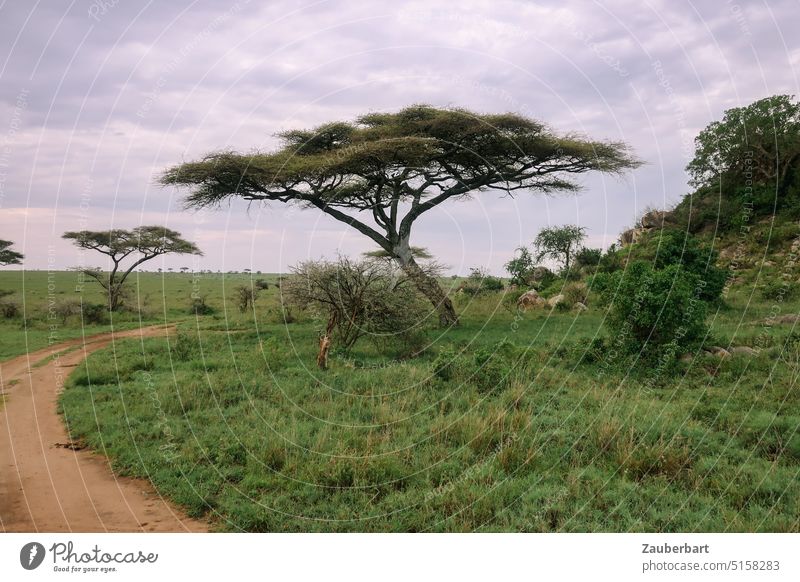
pixel 654 312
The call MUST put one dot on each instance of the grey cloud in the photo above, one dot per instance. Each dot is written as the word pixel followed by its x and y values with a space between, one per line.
pixel 114 97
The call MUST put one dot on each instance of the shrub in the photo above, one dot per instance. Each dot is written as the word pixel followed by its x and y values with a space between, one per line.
pixel 356 298
pixel 244 297
pixel 9 308
pixel 64 309
pixel 588 257
pixel 542 278
pixel 94 313
pixel 611 261
pixel 198 305
pixel 185 347
pixel 575 293
pixel 492 366
pixel 261 284
pixel 445 364
pixel 675 247
pixel 479 282
pixel 777 290
pixel 654 310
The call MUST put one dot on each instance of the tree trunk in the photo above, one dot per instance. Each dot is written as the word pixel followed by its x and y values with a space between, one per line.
pixel 428 286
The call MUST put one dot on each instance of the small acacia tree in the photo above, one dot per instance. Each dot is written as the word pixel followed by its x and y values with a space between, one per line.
pixel 392 168
pixel 356 298
pixel 7 256
pixel 142 242
pixel 521 267
pixel 559 243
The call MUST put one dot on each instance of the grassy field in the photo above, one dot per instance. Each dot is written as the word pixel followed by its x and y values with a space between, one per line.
pixel 508 423
pixel 155 298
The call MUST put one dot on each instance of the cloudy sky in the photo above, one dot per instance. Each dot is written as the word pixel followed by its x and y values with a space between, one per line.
pixel 98 97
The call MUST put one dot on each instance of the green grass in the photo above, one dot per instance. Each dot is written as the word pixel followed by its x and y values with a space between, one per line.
pixel 500 425
pixel 155 298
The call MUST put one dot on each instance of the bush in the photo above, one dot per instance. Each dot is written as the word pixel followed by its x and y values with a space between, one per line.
pixel 186 347
pixel 261 284
pixel 445 364
pixel 9 309
pixel 244 297
pixel 611 261
pixel 575 293
pixel 198 306
pixel 356 298
pixel 94 313
pixel 654 311
pixel 778 290
pixel 542 278
pixel 678 248
pixel 587 257
pixel 479 282
pixel 65 309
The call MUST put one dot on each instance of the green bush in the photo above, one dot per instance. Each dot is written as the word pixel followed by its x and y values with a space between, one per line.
pixel 480 282
pixel 576 292
pixel 777 290
pixel 678 248
pixel 9 309
pixel 588 257
pixel 491 367
pixel 94 313
pixel 653 310
pixel 445 364
pixel 198 306
pixel 185 347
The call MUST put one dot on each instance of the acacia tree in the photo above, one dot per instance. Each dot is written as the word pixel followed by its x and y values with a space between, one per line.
pixel 395 167
pixel 142 242
pixel 559 243
pixel 759 142
pixel 521 267
pixel 7 256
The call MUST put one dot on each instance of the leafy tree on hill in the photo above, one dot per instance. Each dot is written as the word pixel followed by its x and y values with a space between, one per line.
pixel 757 146
pixel 142 242
pixel 383 172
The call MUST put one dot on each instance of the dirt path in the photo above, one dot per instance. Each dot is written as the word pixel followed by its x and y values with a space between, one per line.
pixel 45 487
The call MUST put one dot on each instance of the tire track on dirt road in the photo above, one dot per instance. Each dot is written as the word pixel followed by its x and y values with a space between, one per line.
pixel 47 487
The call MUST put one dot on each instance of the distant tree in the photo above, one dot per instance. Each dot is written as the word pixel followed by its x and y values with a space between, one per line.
pixel 521 267
pixel 759 142
pixel 184 269
pixel 245 297
pixel 480 281
pixel 143 243
pixel 7 256
pixel 395 167
pixel 559 243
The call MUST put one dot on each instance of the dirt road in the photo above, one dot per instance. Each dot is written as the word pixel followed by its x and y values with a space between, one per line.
pixel 46 487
